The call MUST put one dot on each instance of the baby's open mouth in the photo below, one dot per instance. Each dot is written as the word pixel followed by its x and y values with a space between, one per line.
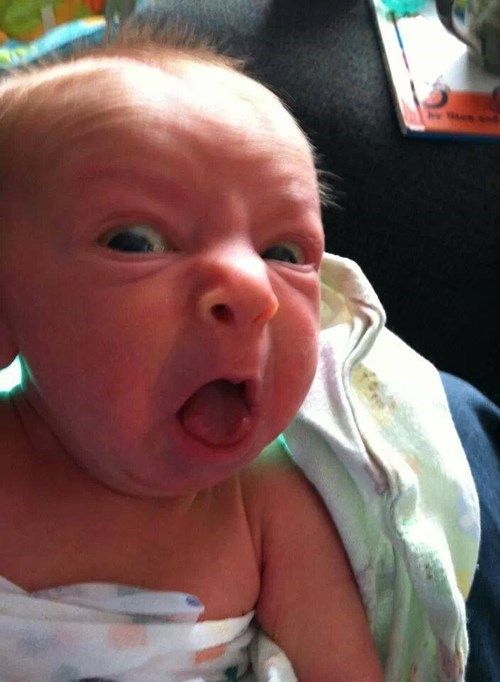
pixel 218 413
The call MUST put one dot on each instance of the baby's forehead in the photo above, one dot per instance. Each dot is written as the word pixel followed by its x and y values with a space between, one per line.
pixel 121 90
pixel 118 110
pixel 98 108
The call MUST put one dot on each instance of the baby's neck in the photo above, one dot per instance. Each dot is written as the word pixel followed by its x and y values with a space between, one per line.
pixel 32 428
pixel 40 455
pixel 62 527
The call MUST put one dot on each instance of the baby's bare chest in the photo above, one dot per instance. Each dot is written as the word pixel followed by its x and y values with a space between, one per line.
pixel 205 549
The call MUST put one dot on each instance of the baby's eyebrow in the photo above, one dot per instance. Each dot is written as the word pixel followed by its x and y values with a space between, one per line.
pixel 159 184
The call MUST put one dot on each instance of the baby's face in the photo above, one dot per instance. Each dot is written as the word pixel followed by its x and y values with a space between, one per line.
pixel 161 275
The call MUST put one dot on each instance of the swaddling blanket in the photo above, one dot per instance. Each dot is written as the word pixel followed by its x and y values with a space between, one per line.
pixel 117 633
pixel 376 439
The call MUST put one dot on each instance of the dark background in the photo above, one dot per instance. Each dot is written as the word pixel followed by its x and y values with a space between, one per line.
pixel 421 217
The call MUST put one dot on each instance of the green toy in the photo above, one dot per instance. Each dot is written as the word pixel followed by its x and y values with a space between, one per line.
pixel 26 20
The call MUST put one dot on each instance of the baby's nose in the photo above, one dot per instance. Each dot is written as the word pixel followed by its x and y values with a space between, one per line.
pixel 240 295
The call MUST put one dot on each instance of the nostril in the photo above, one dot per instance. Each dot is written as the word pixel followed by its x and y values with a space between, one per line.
pixel 222 312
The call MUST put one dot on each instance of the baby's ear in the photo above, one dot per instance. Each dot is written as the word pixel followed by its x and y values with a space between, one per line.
pixel 8 350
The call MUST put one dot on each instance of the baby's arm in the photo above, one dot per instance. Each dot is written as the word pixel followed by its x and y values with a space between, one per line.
pixel 309 603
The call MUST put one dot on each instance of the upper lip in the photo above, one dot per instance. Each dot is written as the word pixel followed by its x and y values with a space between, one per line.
pixel 251 384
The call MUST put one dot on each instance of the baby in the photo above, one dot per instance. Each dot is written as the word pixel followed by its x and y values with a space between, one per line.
pixel 219 463
pixel 160 245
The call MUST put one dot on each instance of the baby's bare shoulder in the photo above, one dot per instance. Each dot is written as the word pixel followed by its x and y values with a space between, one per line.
pixel 272 462
pixel 274 470
pixel 275 490
pixel 308 601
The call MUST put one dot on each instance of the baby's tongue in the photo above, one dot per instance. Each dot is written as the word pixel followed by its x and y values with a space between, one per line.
pixel 216 414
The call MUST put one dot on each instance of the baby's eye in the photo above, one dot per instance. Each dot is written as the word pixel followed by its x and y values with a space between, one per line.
pixel 286 252
pixel 136 239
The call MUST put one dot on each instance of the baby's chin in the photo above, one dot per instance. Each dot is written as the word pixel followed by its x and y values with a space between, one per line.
pixel 140 485
pixel 200 469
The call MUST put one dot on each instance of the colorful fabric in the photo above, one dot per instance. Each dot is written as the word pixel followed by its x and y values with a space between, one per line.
pixel 29 19
pixel 61 39
pixel 120 633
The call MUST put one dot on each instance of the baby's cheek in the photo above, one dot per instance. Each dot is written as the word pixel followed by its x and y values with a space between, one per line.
pixel 303 361
pixel 298 361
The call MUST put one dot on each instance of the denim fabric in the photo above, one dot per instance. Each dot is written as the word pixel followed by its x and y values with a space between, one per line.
pixel 477 421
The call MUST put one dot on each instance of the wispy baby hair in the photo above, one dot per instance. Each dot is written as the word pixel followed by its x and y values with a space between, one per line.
pixel 151 42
